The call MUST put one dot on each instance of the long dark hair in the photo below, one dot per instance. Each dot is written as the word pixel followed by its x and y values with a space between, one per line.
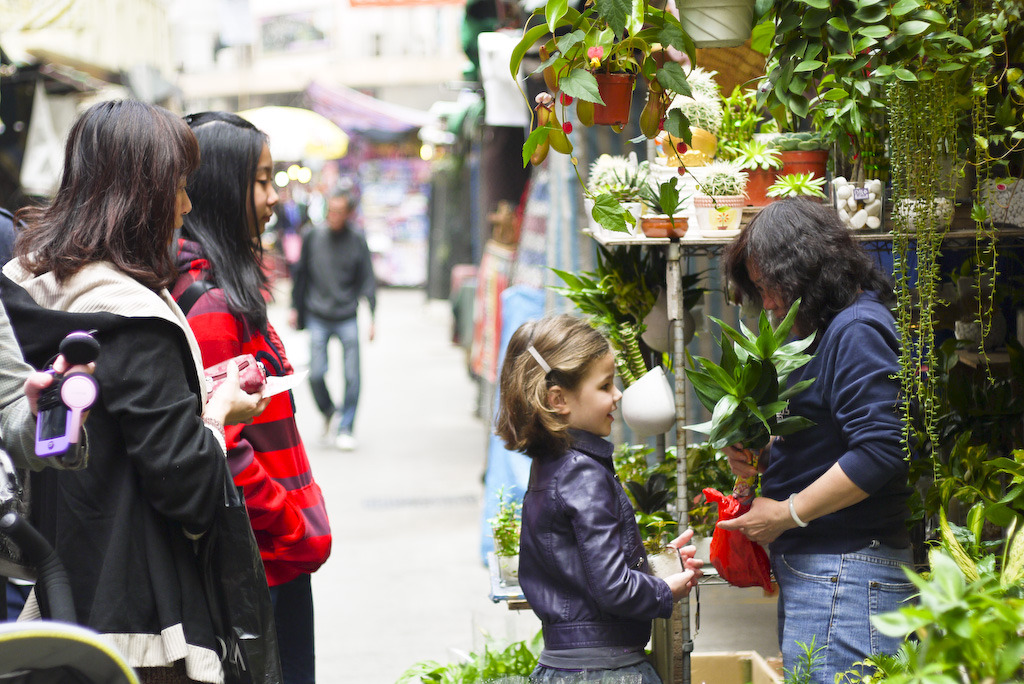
pixel 803 251
pixel 222 202
pixel 116 202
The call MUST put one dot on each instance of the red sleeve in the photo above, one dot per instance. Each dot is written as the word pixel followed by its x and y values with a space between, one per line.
pixel 270 509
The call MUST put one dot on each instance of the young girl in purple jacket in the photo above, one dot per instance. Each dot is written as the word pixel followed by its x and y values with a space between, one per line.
pixel 582 564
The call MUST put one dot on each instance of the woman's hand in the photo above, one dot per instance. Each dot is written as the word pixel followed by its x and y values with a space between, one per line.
pixel 764 522
pixel 230 404
pixel 746 463
pixel 38 381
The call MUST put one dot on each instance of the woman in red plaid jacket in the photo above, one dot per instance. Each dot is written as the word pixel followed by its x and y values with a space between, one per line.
pixel 221 288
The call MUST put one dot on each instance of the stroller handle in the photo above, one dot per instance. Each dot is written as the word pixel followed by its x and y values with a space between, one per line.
pixel 52 577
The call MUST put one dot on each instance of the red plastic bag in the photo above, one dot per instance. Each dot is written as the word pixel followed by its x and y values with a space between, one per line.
pixel 739 561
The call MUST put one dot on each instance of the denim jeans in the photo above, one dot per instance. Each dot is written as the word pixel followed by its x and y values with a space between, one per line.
pixel 832 597
pixel 320 334
pixel 293 615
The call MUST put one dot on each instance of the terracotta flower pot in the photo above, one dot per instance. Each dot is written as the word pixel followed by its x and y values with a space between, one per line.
pixel 804 161
pixel 664 226
pixel 758 182
pixel 617 92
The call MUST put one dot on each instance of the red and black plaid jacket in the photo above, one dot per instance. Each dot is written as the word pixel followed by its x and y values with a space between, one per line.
pixel 267 457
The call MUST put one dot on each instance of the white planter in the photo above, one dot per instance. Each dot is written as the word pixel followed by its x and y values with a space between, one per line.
pixel 648 405
pixel 1004 201
pixel 666 562
pixel 656 334
pixel 717 23
pixel 508 570
pixel 911 209
pixel 634 208
pixel 721 221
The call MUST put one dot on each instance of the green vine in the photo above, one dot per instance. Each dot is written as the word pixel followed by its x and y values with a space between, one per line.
pixel 922 120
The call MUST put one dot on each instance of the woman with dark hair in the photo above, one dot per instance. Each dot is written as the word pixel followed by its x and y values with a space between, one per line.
pixel 97 258
pixel 833 504
pixel 221 288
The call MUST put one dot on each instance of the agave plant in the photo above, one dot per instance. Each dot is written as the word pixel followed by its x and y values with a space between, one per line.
pixel 797 185
pixel 747 390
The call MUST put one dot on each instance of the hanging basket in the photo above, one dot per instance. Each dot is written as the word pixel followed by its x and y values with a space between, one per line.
pixel 617 92
pixel 649 405
pixel 717 23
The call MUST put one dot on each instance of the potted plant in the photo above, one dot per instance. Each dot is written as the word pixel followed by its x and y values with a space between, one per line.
pixel 802 152
pixel 746 392
pixel 620 177
pixel 720 199
pixel 652 491
pixel 505 528
pixel 797 185
pixel 703 111
pixel 717 23
pixel 762 162
pixel 666 205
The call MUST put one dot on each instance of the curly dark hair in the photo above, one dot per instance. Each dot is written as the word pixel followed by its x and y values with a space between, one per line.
pixel 117 198
pixel 803 251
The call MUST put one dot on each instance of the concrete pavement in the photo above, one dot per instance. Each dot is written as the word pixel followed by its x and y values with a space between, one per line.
pixel 404 582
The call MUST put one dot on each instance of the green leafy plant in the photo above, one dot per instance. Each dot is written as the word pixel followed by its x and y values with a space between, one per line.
pixel 706 467
pixel 747 390
pixel 493 663
pixel 808 662
pixel 741 119
pixel 797 185
pixel 723 179
pixel 615 298
pixel 756 154
pixel 506 525
pixel 663 198
pixel 652 491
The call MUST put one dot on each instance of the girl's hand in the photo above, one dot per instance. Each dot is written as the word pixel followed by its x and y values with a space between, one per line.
pixel 230 404
pixel 681 583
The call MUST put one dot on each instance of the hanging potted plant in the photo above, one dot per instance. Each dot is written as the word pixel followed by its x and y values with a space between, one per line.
pixel 666 218
pixel 505 529
pixel 762 163
pixel 720 199
pixel 703 111
pixel 717 23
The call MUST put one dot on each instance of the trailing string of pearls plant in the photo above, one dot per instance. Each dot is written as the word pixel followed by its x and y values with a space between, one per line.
pixel 922 120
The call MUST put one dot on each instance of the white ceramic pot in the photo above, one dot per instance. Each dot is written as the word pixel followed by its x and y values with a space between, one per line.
pixel 717 23
pixel 719 217
pixel 648 405
pixel 656 334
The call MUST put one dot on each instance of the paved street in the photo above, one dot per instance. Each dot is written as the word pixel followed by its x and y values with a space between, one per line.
pixel 405 582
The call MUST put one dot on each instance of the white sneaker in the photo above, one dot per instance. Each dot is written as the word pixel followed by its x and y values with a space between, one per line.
pixel 345 442
pixel 331 424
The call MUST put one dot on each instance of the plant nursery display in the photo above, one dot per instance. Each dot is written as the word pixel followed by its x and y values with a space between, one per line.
pixel 797 185
pixel 762 163
pixel 623 178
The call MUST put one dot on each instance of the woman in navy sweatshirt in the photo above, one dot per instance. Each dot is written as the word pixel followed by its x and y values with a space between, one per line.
pixel 833 504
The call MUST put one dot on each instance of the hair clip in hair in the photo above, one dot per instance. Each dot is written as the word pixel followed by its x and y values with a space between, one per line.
pixel 540 359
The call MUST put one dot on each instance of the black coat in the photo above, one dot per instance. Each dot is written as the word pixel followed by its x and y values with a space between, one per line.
pixel 154 472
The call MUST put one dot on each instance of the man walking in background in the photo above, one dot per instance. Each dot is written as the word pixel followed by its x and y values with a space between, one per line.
pixel 333 273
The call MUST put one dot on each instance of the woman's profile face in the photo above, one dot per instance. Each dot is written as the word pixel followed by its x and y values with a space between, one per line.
pixel 264 194
pixel 182 204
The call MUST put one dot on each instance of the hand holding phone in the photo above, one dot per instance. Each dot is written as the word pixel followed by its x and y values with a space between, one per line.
pixel 69 396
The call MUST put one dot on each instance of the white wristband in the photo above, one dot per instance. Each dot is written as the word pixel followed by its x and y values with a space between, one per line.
pixel 792 512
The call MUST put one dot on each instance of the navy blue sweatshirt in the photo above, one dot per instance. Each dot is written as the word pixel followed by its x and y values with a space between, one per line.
pixel 854 405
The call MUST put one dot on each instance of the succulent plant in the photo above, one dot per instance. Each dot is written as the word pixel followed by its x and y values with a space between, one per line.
pixel 797 185
pixel 723 178
pixel 755 154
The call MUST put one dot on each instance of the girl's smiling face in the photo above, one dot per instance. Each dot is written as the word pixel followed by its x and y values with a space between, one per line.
pixel 589 407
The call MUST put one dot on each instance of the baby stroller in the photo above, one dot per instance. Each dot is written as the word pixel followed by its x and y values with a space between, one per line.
pixel 52 651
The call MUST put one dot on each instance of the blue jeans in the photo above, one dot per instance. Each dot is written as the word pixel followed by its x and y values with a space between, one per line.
pixel 832 597
pixel 293 615
pixel 320 334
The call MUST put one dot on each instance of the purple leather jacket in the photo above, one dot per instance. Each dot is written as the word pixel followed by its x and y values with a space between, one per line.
pixel 582 564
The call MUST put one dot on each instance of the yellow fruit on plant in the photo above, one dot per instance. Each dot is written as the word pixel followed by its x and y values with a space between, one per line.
pixel 585 112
